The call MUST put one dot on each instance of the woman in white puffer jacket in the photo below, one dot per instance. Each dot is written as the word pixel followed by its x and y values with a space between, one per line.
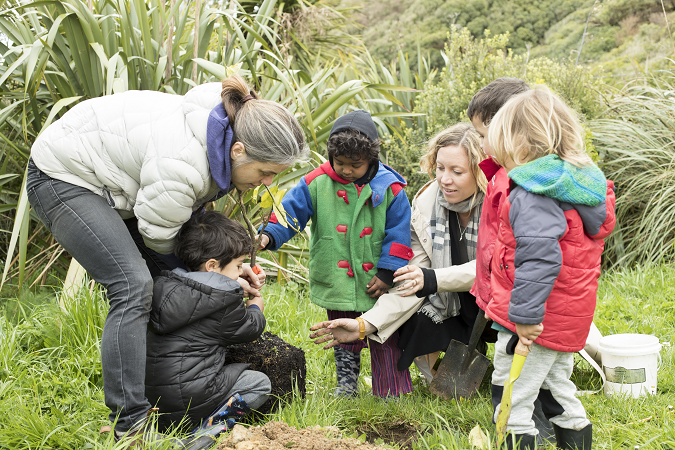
pixel 116 177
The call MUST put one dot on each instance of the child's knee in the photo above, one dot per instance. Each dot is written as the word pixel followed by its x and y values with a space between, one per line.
pixel 266 384
pixel 261 382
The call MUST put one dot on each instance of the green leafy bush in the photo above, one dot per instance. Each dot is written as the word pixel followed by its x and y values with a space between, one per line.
pixel 470 65
pixel 474 63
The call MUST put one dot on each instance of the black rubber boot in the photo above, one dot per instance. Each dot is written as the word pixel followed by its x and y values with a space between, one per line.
pixel 521 441
pixel 543 425
pixel 572 439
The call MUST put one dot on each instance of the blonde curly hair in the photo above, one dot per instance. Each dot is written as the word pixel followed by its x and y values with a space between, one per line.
pixel 534 124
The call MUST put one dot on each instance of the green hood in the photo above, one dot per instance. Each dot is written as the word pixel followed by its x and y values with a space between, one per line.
pixel 560 180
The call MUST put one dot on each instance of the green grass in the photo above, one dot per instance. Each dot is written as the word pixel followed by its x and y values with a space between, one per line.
pixel 51 389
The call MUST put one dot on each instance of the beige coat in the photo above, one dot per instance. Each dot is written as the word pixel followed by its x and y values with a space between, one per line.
pixel 391 310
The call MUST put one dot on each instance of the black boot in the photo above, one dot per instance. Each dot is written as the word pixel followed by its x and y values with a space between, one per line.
pixel 521 441
pixel 572 439
pixel 543 425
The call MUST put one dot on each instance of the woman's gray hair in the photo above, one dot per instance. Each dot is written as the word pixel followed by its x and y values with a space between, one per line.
pixel 269 132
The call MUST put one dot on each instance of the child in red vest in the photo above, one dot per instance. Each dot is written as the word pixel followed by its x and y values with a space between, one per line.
pixel 482 108
pixel 546 262
pixel 360 235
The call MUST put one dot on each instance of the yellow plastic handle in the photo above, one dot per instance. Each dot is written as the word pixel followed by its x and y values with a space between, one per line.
pixel 519 356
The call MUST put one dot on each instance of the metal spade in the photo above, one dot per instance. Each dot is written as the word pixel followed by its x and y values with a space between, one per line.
pixel 463 367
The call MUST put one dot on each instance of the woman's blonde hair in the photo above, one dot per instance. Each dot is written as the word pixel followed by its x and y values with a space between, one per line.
pixel 534 124
pixel 462 135
pixel 269 132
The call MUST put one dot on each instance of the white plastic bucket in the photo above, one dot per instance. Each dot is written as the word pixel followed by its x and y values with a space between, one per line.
pixel 630 363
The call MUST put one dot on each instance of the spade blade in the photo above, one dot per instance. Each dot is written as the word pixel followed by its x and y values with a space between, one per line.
pixel 456 377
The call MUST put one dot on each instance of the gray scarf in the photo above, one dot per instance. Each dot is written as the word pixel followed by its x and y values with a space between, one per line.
pixel 442 305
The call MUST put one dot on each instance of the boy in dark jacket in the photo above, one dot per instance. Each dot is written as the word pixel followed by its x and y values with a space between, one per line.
pixel 195 316
pixel 360 234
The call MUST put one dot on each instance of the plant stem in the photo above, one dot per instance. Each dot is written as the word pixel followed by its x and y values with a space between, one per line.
pixel 251 228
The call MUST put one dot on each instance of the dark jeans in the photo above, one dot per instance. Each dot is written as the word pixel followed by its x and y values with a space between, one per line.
pixel 113 254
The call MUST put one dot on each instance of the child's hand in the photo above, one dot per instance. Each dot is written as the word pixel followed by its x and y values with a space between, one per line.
pixel 248 289
pixel 376 287
pixel 263 241
pixel 258 301
pixel 255 279
pixel 528 333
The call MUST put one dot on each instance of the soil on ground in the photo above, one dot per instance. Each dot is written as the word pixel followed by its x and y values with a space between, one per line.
pixel 283 363
pixel 280 436
pixel 401 434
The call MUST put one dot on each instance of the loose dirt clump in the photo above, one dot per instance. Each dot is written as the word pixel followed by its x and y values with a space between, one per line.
pixel 401 434
pixel 283 363
pixel 280 436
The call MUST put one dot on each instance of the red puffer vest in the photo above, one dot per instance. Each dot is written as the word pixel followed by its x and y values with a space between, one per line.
pixel 571 304
pixel 497 191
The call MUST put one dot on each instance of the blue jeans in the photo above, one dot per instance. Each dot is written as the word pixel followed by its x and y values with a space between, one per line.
pixel 113 254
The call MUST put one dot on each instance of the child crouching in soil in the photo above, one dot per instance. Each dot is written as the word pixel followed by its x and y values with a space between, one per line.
pixel 195 316
pixel 546 262
pixel 360 234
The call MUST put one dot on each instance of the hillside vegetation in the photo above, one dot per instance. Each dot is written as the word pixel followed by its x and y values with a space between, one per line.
pixel 623 36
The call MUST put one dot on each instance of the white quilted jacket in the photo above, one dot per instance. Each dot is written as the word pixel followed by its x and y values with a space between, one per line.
pixel 143 151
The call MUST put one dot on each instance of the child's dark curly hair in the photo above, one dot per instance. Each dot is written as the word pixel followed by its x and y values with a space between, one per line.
pixel 354 145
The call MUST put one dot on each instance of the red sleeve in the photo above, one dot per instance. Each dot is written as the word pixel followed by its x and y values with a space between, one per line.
pixel 610 220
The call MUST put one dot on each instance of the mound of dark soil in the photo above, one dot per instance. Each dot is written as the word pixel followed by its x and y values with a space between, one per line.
pixel 283 363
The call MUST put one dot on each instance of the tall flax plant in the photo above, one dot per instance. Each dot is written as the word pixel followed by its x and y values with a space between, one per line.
pixel 60 52
pixel 637 146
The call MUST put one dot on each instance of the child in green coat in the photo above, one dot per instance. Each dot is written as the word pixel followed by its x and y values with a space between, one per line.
pixel 360 235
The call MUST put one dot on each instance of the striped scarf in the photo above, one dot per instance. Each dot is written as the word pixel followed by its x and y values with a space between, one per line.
pixel 442 305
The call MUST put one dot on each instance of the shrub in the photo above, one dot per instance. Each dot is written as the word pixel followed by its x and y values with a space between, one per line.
pixel 636 143
pixel 470 65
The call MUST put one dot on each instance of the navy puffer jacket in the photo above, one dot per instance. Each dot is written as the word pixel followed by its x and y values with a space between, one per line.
pixel 194 318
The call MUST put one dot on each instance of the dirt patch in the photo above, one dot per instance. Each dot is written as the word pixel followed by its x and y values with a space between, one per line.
pixel 283 363
pixel 280 436
pixel 401 434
